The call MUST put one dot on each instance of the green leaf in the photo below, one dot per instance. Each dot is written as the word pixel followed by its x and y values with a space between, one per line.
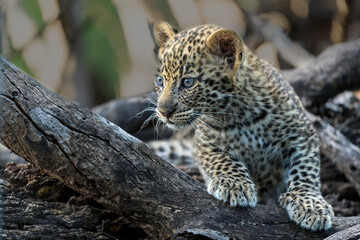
pixel 106 29
pixel 101 60
pixel 19 61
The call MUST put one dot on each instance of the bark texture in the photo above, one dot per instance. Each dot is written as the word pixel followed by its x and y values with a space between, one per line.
pixel 335 70
pixel 336 147
pixel 35 205
pixel 130 114
pixel 23 217
pixel 104 163
pixel 292 52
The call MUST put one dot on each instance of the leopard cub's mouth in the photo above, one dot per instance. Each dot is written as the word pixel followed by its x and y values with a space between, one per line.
pixel 177 120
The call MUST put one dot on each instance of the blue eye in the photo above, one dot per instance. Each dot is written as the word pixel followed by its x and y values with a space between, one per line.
pixel 188 82
pixel 159 81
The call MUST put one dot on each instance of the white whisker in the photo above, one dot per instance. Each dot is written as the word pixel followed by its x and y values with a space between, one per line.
pixel 146 122
pixel 140 114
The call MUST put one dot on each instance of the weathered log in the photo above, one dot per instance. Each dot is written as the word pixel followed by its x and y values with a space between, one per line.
pixel 102 162
pixel 336 147
pixel 314 80
pixel 25 217
pixel 343 113
pixel 131 113
pixel 130 107
pixel 292 52
pixel 335 70
pixel 7 156
pixel 349 233
pixel 35 205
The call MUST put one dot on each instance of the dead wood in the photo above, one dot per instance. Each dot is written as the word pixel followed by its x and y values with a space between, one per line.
pixel 102 162
pixel 315 80
pixel 336 147
pixel 349 233
pixel 31 199
pixel 335 70
pixel 7 156
pixel 130 114
pixel 25 217
pixel 290 51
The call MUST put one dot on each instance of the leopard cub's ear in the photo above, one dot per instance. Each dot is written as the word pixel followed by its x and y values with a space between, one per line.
pixel 162 33
pixel 227 45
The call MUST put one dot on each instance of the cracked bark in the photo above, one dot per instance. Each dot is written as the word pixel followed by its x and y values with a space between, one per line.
pixel 339 149
pixel 292 52
pixel 104 163
pixel 335 70
pixel 25 216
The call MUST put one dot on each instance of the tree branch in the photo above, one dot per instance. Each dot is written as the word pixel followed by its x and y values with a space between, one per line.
pixel 339 150
pixel 335 70
pixel 290 51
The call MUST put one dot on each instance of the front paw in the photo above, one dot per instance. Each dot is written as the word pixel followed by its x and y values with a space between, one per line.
pixel 239 193
pixel 309 210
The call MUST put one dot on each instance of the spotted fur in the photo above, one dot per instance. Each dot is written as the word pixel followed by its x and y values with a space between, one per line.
pixel 253 141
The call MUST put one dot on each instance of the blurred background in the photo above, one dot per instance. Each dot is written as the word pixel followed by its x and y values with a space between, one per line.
pixel 93 51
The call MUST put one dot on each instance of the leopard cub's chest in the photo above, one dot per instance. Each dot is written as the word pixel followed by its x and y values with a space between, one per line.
pixel 260 152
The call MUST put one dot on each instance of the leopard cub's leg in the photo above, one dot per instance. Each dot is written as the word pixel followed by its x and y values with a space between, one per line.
pixel 308 209
pixel 303 200
pixel 227 179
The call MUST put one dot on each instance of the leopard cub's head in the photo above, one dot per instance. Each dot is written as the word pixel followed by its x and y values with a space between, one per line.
pixel 196 73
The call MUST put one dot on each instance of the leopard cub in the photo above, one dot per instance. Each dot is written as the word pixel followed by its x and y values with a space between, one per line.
pixel 253 142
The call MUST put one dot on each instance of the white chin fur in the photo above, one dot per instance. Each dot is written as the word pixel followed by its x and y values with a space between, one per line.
pixel 174 126
pixel 171 125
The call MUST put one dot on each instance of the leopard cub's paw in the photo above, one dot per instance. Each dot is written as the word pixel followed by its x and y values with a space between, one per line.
pixel 238 193
pixel 310 211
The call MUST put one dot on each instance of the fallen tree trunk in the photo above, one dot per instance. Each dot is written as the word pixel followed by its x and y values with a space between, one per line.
pixel 350 233
pixel 26 217
pixel 104 163
pixel 339 150
pixel 335 70
pixel 292 52
pixel 315 80
pixel 35 205
pixel 130 114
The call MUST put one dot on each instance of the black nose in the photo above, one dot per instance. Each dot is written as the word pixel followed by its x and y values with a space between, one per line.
pixel 169 112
